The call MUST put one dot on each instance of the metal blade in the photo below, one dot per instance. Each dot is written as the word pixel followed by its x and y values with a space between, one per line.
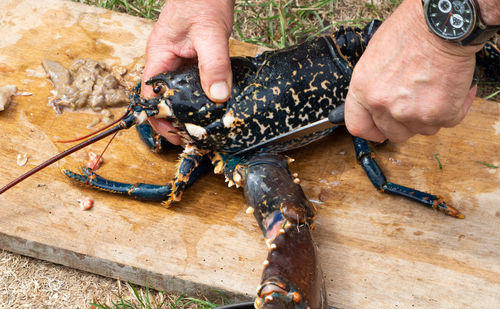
pixel 335 118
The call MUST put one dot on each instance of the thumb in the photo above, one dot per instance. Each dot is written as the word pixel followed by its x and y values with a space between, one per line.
pixel 214 64
pixel 469 99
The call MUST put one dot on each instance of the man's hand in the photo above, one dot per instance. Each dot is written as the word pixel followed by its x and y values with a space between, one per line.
pixel 190 29
pixel 409 81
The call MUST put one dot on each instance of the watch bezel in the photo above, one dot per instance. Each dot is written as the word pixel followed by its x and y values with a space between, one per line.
pixel 476 21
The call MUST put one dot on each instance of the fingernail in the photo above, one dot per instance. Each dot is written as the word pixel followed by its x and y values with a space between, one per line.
pixel 219 91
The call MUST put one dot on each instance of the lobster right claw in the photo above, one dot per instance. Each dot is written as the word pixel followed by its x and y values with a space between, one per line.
pixel 292 277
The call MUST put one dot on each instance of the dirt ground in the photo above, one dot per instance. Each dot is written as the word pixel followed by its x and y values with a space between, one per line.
pixel 30 283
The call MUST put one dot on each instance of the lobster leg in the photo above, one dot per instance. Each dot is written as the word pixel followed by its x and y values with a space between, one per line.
pixel 191 166
pixel 292 277
pixel 376 176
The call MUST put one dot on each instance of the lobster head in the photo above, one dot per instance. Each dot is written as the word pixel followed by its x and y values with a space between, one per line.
pixel 181 101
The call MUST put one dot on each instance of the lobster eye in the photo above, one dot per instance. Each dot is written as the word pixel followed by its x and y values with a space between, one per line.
pixel 159 88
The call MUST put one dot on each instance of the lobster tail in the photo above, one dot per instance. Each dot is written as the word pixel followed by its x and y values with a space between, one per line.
pixel 370 29
pixel 351 42
pixel 489 58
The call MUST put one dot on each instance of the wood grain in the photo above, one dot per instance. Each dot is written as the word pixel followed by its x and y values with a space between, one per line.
pixel 376 250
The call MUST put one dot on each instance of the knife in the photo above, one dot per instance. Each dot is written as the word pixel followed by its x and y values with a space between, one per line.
pixel 335 118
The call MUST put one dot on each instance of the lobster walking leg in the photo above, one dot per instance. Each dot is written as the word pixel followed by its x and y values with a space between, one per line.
pixel 292 277
pixel 191 166
pixel 377 177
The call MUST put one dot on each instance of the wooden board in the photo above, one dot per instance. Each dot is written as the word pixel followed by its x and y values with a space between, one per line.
pixel 376 250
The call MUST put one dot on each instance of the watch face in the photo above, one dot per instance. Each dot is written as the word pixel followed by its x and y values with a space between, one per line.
pixel 450 19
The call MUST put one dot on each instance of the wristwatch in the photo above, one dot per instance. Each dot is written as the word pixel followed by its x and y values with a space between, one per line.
pixel 457 21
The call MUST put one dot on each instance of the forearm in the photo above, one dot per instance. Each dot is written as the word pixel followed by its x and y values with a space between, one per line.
pixel 490 11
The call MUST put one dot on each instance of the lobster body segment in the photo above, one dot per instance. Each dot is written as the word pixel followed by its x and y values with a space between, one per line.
pixel 272 94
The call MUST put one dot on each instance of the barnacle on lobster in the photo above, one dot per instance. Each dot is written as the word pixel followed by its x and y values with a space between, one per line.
pixel 272 94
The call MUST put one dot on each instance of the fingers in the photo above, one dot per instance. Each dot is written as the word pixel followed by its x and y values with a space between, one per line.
pixel 193 29
pixel 359 121
pixel 161 50
pixel 419 86
pixel 373 126
pixel 186 30
pixel 165 129
pixel 210 39
pixel 214 64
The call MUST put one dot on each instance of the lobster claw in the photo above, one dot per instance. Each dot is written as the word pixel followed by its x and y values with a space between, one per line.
pixel 292 277
pixel 273 294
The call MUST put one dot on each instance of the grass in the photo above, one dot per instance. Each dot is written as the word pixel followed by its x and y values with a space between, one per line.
pixel 278 24
pixel 487 164
pixel 436 156
pixel 146 298
pixel 492 95
pixel 274 23
pixel 142 8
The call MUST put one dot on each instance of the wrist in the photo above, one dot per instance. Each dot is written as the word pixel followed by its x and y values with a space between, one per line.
pixel 421 32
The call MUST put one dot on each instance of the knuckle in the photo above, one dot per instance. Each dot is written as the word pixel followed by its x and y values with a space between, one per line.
pixel 355 130
pixel 453 122
pixel 439 114
pixel 431 115
pixel 401 113
pixel 376 100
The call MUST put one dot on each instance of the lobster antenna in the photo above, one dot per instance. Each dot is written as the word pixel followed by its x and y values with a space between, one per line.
pixel 97 131
pixel 65 153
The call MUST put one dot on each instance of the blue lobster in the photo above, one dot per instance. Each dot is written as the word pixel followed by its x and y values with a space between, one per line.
pixel 272 94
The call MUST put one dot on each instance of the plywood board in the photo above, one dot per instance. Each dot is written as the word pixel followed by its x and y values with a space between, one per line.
pixel 376 250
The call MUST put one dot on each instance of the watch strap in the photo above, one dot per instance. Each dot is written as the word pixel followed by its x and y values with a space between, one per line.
pixel 480 35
